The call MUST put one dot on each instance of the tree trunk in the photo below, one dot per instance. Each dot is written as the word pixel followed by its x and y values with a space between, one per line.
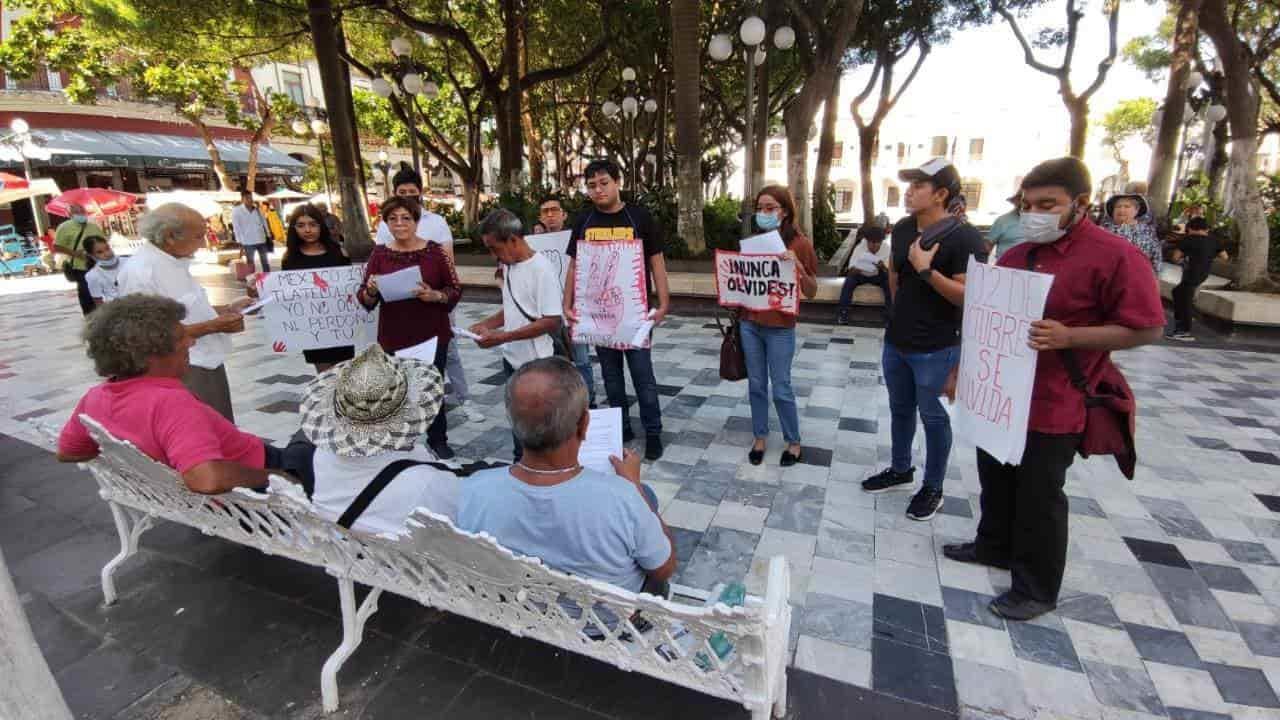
pixel 342 128
pixel 759 156
pixel 1079 112
pixel 868 139
pixel 826 143
pixel 687 69
pixel 260 136
pixel 215 155
pixel 1164 156
pixel 1243 105
pixel 470 201
pixel 27 688
pixel 1217 162
pixel 533 140
pixel 350 104
pixel 798 122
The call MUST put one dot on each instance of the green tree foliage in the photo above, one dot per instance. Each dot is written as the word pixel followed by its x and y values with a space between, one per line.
pixel 175 52
pixel 1122 122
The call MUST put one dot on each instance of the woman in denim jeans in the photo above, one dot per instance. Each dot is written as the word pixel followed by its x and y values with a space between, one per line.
pixel 769 336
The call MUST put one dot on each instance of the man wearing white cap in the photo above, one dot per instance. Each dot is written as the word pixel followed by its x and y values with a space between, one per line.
pixel 930 253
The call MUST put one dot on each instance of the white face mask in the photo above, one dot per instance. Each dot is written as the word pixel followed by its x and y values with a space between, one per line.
pixel 1040 228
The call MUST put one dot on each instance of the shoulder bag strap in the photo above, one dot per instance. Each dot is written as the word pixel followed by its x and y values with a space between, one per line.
pixel 1068 356
pixel 506 278
pixel 373 489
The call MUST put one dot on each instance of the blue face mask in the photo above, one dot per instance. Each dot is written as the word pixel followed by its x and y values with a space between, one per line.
pixel 767 221
pixel 80 219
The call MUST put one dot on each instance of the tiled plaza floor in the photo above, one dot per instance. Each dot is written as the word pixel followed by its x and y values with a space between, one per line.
pixel 1173 584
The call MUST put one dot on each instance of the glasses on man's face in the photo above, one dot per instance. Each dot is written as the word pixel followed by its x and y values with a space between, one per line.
pixel 550 211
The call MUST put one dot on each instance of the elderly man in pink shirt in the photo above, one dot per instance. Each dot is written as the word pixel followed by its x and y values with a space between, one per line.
pixel 139 344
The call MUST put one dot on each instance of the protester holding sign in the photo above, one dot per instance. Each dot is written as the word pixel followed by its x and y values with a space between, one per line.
pixel 929 254
pixel 613 221
pixel 405 323
pixel 551 219
pixel 1102 299
pixel 531 294
pixel 769 336
pixel 309 246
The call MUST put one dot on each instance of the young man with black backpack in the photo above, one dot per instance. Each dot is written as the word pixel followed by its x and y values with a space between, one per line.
pixel 930 253
pixel 528 325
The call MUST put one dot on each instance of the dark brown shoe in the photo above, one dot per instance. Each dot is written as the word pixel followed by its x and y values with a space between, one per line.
pixel 968 553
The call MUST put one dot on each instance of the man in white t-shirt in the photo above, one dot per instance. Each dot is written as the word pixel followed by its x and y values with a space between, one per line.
pixel 531 298
pixel 867 266
pixel 408 183
pixel 101 278
pixel 250 228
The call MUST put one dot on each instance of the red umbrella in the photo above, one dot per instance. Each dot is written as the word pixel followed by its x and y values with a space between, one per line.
pixel 13 182
pixel 98 202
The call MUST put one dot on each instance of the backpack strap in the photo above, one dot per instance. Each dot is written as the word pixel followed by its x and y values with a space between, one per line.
pixel 373 489
pixel 1068 356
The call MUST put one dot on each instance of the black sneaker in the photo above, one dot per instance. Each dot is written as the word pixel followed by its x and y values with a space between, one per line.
pixel 653 447
pixel 925 504
pixel 887 479
pixel 442 450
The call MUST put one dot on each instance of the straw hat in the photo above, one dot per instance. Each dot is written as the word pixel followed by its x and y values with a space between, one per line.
pixel 372 404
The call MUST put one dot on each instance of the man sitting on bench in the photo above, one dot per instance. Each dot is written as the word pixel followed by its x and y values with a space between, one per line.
pixel 580 521
pixel 139 344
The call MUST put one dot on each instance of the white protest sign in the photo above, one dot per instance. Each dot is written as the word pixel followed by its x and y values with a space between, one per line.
pixel 997 369
pixel 757 282
pixel 313 309
pixel 553 246
pixel 769 243
pixel 610 296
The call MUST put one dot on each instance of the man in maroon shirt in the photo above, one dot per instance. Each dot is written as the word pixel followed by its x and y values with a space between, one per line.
pixel 1102 299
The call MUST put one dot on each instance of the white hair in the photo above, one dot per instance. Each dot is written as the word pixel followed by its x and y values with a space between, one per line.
pixel 164 223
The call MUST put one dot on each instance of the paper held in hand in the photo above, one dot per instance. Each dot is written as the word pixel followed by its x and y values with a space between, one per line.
pixel 769 243
pixel 463 332
pixel 255 307
pixel 400 285
pixel 424 351
pixel 604 439
pixel 997 369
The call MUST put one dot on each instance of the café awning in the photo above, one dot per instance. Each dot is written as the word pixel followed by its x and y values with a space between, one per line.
pixel 76 148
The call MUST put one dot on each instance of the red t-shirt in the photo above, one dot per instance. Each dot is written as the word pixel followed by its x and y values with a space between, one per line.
pixel 162 419
pixel 1098 279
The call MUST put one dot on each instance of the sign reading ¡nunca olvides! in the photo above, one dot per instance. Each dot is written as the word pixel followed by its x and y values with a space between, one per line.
pixel 757 282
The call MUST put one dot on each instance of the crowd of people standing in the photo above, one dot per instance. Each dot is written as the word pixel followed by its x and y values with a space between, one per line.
pixel 365 416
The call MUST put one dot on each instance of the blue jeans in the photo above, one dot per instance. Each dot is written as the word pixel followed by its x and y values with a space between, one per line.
pixel 854 279
pixel 261 250
pixel 769 351
pixel 582 361
pixel 914 381
pixel 615 385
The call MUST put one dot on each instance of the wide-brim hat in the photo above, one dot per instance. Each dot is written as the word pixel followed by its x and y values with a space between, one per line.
pixel 371 404
pixel 1142 203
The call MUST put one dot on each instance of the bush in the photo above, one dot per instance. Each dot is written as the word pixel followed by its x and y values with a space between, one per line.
pixel 721 226
pixel 826 238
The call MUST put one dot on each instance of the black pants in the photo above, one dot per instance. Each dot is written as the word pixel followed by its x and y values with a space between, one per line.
pixel 1184 295
pixel 438 430
pixel 1024 514
pixel 82 292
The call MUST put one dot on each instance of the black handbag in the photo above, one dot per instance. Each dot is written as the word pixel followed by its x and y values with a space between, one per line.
pixel 733 362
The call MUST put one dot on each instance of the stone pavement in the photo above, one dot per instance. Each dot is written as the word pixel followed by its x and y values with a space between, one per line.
pixel 1170 600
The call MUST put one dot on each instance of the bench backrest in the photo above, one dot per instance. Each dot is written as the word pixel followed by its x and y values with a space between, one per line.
pixel 278 522
pixel 734 653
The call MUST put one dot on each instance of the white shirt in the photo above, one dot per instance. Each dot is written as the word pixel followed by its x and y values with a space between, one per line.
pixel 430 227
pixel 249 225
pixel 156 272
pixel 102 280
pixel 864 261
pixel 535 285
pixel 340 479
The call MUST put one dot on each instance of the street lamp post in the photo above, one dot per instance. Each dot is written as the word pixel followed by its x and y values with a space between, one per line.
pixel 20 142
pixel 630 108
pixel 410 82
pixel 1199 102
pixel 384 164
pixel 752 32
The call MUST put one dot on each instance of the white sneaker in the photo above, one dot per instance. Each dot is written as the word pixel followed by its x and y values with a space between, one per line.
pixel 472 414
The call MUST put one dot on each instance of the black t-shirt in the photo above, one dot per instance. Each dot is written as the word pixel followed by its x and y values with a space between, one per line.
pixel 1200 250
pixel 632 222
pixel 922 320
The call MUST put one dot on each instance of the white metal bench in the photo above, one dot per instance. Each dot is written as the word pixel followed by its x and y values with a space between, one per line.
pixel 738 654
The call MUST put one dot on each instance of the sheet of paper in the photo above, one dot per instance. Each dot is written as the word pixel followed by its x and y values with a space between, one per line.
pixel 463 332
pixel 604 439
pixel 424 351
pixel 401 284
pixel 769 243
pixel 256 306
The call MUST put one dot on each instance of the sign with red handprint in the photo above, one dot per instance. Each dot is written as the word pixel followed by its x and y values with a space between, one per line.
pixel 757 282
pixel 610 296
pixel 312 309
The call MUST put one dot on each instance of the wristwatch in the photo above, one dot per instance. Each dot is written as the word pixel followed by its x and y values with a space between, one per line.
pixel 925 274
